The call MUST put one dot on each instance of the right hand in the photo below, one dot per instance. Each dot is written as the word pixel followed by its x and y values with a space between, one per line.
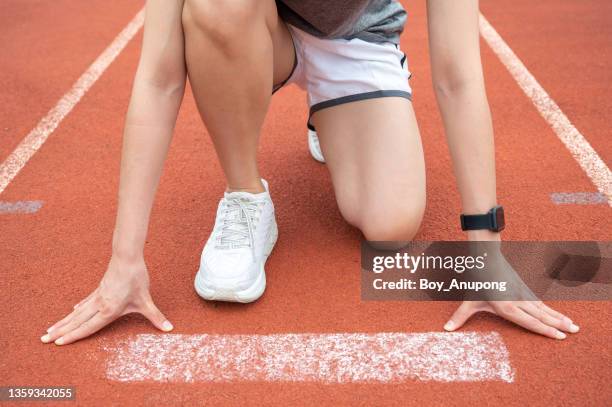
pixel 124 289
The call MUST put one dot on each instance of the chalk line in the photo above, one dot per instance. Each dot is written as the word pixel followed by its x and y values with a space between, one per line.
pixel 325 358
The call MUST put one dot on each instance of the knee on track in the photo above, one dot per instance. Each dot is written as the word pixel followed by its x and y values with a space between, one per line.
pixel 388 223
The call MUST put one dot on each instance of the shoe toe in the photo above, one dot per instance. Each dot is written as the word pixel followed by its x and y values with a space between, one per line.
pixel 227 271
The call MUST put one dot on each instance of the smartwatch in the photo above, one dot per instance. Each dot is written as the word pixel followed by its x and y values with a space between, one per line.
pixel 492 220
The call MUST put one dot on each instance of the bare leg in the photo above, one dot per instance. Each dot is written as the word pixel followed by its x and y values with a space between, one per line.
pixel 235 51
pixel 373 151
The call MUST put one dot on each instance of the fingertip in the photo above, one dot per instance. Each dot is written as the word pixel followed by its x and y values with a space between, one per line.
pixel 450 326
pixel 45 338
pixel 574 328
pixel 560 335
pixel 167 326
pixel 60 341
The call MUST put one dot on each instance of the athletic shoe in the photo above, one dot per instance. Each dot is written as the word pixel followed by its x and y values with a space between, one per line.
pixel 233 259
pixel 314 146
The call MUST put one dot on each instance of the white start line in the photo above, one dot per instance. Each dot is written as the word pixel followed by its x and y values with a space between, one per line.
pixel 323 358
pixel 582 151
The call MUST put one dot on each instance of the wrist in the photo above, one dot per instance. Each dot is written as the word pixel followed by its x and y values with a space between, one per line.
pixel 483 235
pixel 124 269
pixel 128 255
pixel 487 225
pixel 127 250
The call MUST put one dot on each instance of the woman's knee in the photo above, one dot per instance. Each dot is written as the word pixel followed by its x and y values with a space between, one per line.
pixel 396 223
pixel 395 219
pixel 221 21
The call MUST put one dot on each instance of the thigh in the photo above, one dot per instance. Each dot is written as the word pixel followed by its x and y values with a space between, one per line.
pixel 374 154
pixel 285 58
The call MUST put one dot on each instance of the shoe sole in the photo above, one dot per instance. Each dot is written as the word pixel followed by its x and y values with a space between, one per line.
pixel 315 150
pixel 247 295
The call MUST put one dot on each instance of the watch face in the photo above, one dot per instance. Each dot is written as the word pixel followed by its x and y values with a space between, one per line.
pixel 500 222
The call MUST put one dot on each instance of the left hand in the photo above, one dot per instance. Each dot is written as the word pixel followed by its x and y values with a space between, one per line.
pixel 532 315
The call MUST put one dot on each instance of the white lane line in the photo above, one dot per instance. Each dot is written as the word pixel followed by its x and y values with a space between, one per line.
pixel 578 198
pixel 576 143
pixel 20 207
pixel 37 137
pixel 324 358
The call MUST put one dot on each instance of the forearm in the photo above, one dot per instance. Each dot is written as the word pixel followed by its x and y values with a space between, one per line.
pixel 469 132
pixel 459 84
pixel 157 93
pixel 147 135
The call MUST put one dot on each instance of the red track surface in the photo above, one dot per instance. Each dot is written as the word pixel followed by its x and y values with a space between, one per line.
pixel 53 258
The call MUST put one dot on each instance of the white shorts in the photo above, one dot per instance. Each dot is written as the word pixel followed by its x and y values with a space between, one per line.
pixel 340 71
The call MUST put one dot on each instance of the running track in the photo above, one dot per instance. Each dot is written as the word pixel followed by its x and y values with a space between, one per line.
pixel 54 256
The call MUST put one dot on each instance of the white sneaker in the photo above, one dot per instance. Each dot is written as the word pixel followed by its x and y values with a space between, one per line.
pixel 314 146
pixel 233 259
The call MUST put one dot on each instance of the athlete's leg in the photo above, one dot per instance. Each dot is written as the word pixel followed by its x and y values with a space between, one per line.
pixel 235 51
pixel 374 153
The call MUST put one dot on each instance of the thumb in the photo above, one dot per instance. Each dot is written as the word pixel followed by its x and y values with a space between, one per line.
pixel 153 314
pixel 461 315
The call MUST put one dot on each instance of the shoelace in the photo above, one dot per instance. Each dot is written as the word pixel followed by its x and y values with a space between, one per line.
pixel 238 224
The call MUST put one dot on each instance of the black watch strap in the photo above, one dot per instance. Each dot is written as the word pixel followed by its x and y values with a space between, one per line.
pixel 492 220
pixel 476 222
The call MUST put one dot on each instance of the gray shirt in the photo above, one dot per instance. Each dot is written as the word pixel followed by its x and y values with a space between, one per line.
pixel 369 20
